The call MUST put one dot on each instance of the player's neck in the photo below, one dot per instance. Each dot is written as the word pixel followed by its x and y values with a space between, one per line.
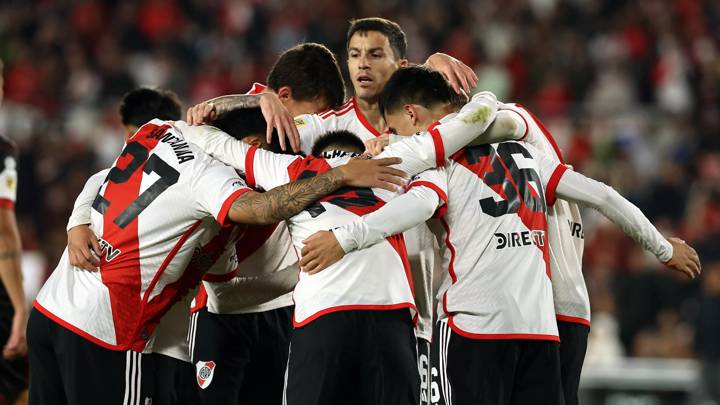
pixel 370 109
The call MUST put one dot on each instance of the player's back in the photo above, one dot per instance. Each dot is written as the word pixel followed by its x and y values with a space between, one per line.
pixel 495 233
pixel 162 198
pixel 374 278
pixel 565 232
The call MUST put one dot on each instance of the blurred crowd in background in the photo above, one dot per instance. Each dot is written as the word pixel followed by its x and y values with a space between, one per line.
pixel 630 89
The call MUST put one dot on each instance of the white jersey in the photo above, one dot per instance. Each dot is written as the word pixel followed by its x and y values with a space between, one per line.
pixel 348 117
pixel 161 200
pixel 265 263
pixel 263 274
pixel 374 279
pixel 565 232
pixel 497 284
pixel 419 240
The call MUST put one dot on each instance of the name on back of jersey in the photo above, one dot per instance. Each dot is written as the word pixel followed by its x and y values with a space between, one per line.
pixel 179 146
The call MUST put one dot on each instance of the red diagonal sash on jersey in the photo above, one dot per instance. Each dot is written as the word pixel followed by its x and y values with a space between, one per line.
pixel 533 220
pixel 121 273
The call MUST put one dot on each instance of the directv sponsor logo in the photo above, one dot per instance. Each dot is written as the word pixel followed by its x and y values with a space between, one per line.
pixel 519 239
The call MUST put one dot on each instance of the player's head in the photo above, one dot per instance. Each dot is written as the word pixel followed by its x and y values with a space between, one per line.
pixel 341 140
pixel 414 98
pixel 144 104
pixel 247 125
pixel 376 48
pixel 307 79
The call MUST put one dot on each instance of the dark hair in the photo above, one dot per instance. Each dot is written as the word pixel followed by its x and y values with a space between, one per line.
pixel 243 122
pixel 341 140
pixel 390 29
pixel 416 85
pixel 144 104
pixel 311 71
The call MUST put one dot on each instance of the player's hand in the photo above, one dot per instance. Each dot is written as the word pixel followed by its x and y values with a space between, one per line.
pixel 374 147
pixel 83 248
pixel 684 259
pixel 461 77
pixel 363 172
pixel 201 113
pixel 278 117
pixel 321 250
pixel 16 345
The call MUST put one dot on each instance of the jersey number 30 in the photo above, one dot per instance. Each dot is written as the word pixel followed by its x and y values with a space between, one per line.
pixel 139 154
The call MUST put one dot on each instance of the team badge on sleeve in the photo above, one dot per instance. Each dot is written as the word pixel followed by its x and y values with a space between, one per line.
pixel 300 122
pixel 205 371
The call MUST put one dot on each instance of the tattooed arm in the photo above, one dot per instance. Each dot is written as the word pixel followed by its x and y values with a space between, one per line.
pixel 275 113
pixel 288 200
pixel 11 278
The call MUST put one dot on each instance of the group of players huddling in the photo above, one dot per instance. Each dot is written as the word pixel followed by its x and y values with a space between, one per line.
pixel 212 265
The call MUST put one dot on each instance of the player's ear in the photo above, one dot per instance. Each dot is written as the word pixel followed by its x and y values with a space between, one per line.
pixel 411 113
pixel 284 93
pixel 254 140
pixel 403 63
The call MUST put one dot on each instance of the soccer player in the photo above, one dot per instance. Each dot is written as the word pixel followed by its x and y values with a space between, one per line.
pixel 498 334
pixel 353 334
pixel 161 200
pixel 377 47
pixel 174 374
pixel 13 309
pixel 241 322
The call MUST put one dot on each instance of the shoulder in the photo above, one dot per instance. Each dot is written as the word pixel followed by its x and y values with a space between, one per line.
pixel 344 110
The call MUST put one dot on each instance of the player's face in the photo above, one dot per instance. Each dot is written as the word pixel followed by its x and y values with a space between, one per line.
pixel 371 61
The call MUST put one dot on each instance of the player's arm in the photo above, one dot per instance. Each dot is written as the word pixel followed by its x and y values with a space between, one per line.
pixel 461 77
pixel 507 126
pixel 288 200
pixel 673 252
pixel 275 113
pixel 10 252
pixel 400 214
pixel 11 277
pixel 83 247
pixel 430 149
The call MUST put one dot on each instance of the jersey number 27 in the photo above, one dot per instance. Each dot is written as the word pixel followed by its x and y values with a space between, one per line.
pixel 153 163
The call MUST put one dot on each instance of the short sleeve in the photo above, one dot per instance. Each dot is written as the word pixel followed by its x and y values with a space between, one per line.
pixel 550 171
pixel 216 187
pixel 267 170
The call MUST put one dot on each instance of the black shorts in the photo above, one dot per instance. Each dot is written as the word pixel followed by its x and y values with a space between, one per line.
pixel 174 381
pixel 423 349
pixel 66 369
pixel 354 357
pixel 496 372
pixel 573 344
pixel 241 356
pixel 13 373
